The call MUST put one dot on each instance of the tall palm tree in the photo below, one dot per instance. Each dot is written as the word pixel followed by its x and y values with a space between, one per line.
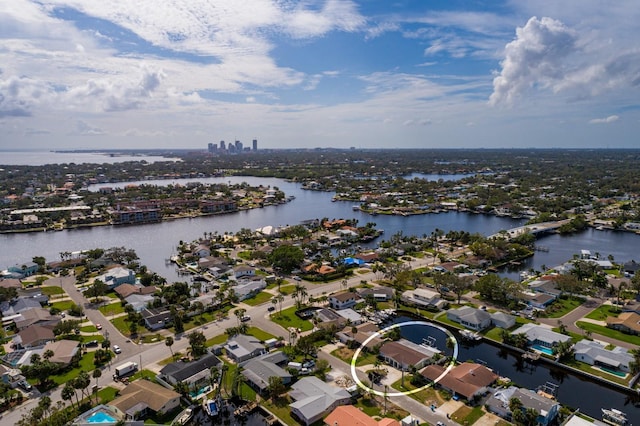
pixel 96 375
pixel 169 342
pixel 239 313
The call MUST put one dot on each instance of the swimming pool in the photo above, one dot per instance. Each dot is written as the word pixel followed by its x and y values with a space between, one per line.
pixel 100 417
pixel 543 349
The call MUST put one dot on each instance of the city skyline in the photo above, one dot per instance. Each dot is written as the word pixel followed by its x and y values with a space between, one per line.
pixel 81 74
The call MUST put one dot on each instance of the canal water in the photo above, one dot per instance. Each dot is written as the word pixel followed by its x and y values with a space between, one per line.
pixel 573 391
pixel 156 242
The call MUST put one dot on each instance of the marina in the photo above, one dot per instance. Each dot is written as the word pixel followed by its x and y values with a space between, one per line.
pixel 614 417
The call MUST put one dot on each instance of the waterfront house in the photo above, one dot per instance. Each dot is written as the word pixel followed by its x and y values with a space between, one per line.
pixel 627 322
pixel 503 320
pixel 363 332
pixel 343 300
pixel 258 370
pixel 242 348
pixel 541 336
pixel 315 398
pixel 25 270
pixel 195 374
pixel 350 316
pixel 546 408
pixel 125 290
pixel 201 251
pixel 596 354
pixel 472 318
pixel 142 398
pixel 403 353
pixel 249 287
pixel 538 300
pixel 329 318
pixel 352 416
pixel 116 276
pixel 467 380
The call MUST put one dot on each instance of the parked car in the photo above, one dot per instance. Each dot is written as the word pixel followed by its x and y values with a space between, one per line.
pixel 245 318
pixel 117 349
pixel 271 308
pixel 91 343
pixel 99 326
pixel 25 385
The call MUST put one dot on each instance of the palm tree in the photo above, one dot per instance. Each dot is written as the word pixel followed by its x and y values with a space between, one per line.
pixel 274 301
pixel 96 375
pixel 68 392
pixel 239 313
pixel 280 298
pixel 169 342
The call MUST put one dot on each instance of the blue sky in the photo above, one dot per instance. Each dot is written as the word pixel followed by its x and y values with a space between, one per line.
pixel 92 74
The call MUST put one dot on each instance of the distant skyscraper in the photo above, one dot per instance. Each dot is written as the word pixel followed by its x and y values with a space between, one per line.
pixel 255 144
pixel 212 147
pixel 238 146
pixel 222 146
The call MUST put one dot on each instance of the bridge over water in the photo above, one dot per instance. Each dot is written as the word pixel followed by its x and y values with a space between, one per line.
pixel 535 228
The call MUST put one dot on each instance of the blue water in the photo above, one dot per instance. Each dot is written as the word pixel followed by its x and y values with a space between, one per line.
pixel 542 349
pixel 101 417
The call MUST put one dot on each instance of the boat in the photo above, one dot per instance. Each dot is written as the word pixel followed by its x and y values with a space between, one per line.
pixel 614 417
pixel 183 417
pixel 210 407
pixel 470 335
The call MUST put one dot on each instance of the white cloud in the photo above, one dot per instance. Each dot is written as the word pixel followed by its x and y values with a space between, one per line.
pixel 536 57
pixel 606 120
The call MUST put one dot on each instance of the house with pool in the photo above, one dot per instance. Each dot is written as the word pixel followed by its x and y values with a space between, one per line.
pixel 540 338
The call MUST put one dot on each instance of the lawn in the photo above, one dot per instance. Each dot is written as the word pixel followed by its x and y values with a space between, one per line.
pixel 63 306
pixel 259 299
pixel 287 289
pixel 281 409
pixel 466 415
pixel 346 355
pixel 288 318
pixel 89 329
pixel 107 394
pixel 259 334
pixel 426 396
pixel 561 307
pixel 602 312
pixel 111 309
pixel 609 332
pixel 216 340
pixel 121 324
pixel 52 290
pixel 583 366
pixel 86 364
pixel 376 408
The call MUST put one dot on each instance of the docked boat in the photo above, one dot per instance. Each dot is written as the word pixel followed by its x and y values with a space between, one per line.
pixel 183 417
pixel 211 407
pixel 470 335
pixel 614 417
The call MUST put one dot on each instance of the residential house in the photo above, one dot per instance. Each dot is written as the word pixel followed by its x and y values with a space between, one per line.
pixel 546 408
pixel 241 271
pixel 425 298
pixel 594 353
pixel 314 399
pixel 125 290
pixel 546 285
pixel 352 416
pixel 33 337
pixel 242 348
pixel 63 351
pixel 368 257
pixel 350 316
pixel 32 316
pixel 156 318
pixel 503 320
pixel 11 283
pixel 467 380
pixel 627 322
pixel 380 293
pixel 538 300
pixel 24 270
pixel 328 318
pixel 258 370
pixel 343 300
pixel 10 376
pixel 142 398
pixel 249 287
pixel 139 301
pixel 363 332
pixel 18 305
pixel 194 373
pixel 403 354
pixel 201 251
pixel 116 276
pixel 472 318
pixel 541 336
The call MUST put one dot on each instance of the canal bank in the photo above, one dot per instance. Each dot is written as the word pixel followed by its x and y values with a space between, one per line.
pixel 576 389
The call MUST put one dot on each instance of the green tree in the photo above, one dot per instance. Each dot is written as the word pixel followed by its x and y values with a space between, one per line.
pixel 276 387
pixel 286 258
pixel 169 342
pixel 97 373
pixel 239 313
pixel 197 343
pixel 96 290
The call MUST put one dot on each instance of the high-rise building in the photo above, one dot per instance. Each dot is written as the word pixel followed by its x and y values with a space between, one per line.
pixel 222 146
pixel 212 147
pixel 255 144
pixel 238 146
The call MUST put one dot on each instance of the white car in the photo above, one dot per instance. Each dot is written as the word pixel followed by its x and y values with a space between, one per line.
pixel 117 349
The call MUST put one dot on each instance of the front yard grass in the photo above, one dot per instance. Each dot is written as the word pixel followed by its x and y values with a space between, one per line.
pixel 346 354
pixel 288 318
pixel 426 396
pixel 280 407
pixel 63 305
pixel 561 307
pixel 111 309
pixel 259 299
pixel 602 312
pixel 609 332
pixel 52 290
pixel 466 415
pixel 86 364
pixel 107 394
pixel 260 334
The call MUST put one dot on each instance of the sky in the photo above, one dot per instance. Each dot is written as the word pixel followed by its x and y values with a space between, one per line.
pixel 96 74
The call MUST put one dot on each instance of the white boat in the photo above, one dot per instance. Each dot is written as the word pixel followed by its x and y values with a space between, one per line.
pixel 183 417
pixel 614 417
pixel 470 335
pixel 211 407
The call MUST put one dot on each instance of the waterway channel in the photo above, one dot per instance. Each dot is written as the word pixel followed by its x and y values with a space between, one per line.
pixel 573 391
pixel 156 242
